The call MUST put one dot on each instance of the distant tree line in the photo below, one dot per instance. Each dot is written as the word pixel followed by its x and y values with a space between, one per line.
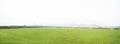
pixel 9 27
pixel 24 26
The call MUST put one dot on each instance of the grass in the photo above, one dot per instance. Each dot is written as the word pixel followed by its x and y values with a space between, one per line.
pixel 59 36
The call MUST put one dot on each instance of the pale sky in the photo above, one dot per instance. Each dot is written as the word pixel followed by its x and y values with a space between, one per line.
pixel 60 12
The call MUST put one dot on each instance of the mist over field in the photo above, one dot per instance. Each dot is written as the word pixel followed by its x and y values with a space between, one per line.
pixel 59 21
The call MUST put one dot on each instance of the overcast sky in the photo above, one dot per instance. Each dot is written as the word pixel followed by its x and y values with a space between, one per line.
pixel 60 12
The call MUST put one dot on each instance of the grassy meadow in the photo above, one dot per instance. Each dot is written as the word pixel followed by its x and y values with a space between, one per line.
pixel 59 36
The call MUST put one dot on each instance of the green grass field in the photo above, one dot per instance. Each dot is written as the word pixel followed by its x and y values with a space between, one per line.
pixel 59 36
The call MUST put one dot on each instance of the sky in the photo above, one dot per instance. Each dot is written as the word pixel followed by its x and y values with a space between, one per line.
pixel 60 12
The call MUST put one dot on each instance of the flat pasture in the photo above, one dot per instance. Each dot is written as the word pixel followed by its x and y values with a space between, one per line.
pixel 59 36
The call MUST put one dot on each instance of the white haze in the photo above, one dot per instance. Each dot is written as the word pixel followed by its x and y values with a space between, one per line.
pixel 60 12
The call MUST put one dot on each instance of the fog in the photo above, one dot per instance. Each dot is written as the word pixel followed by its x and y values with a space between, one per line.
pixel 60 12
